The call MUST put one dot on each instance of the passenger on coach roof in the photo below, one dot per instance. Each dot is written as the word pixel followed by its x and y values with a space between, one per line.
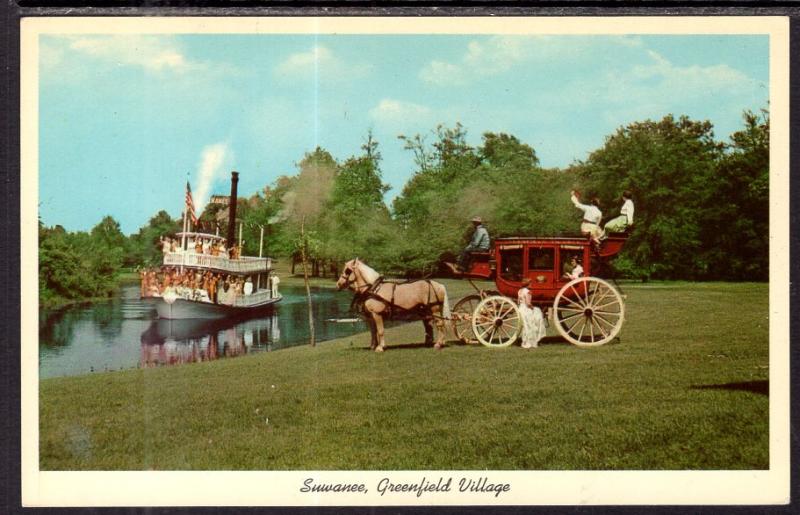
pixel 625 219
pixel 590 225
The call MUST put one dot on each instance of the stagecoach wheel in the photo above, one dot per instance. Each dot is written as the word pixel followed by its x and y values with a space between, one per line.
pixel 496 321
pixel 462 318
pixel 588 312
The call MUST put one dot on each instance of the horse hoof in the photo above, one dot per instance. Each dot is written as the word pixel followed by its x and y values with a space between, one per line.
pixel 378 349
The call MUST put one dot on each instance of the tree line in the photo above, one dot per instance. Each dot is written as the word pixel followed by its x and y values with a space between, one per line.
pixel 702 206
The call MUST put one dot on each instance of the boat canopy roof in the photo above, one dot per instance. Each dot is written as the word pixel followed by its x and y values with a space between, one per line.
pixel 200 234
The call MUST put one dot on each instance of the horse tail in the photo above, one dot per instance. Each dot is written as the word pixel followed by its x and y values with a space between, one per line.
pixel 445 304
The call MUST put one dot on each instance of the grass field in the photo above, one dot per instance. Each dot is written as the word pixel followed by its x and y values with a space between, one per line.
pixel 685 388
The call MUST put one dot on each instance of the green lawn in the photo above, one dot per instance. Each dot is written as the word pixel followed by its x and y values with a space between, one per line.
pixel 684 388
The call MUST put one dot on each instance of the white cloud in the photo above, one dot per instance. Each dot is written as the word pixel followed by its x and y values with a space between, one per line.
pixel 661 81
pixel 209 169
pixel 653 88
pixel 319 61
pixel 441 73
pixel 693 79
pixel 499 54
pixel 496 55
pixel 152 53
pixel 395 111
pixel 305 62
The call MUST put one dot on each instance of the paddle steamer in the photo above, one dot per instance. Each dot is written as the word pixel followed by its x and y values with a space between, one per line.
pixel 181 302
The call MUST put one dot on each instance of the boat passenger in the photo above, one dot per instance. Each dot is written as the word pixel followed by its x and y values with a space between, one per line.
pixel 274 281
pixel 198 246
pixel 166 245
pixel 206 246
pixel 225 294
pixel 213 291
pixel 248 286
pixel 173 245
pixel 143 282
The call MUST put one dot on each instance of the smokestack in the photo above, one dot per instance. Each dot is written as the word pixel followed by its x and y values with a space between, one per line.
pixel 232 210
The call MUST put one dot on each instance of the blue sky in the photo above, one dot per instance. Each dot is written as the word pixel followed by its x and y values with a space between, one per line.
pixel 123 119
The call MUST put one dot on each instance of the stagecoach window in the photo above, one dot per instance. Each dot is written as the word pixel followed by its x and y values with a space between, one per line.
pixel 511 264
pixel 541 259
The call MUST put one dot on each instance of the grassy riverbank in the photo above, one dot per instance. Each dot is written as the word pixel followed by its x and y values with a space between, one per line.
pixel 685 388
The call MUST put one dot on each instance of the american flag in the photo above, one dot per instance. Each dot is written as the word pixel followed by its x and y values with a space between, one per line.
pixel 190 203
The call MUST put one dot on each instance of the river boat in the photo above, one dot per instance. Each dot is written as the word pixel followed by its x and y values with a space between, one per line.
pixel 183 302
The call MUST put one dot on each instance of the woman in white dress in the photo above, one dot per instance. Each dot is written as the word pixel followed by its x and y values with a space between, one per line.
pixel 533 328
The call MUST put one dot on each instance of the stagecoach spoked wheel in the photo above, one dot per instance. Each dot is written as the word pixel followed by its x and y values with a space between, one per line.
pixel 588 312
pixel 496 321
pixel 462 318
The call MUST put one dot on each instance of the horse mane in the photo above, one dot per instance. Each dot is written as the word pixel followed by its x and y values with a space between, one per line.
pixel 368 273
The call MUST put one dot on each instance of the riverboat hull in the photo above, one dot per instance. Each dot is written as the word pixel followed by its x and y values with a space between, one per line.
pixel 181 309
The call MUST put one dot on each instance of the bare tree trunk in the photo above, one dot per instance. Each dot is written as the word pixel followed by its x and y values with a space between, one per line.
pixel 304 257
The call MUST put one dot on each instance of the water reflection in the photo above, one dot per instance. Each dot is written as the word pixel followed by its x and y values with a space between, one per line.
pixel 124 332
pixel 56 328
pixel 105 318
pixel 171 342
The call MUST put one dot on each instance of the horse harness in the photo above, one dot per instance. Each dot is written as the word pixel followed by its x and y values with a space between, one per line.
pixel 392 310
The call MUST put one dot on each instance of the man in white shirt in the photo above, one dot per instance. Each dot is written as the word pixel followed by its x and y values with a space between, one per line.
pixel 625 218
pixel 248 286
pixel 590 226
pixel 274 281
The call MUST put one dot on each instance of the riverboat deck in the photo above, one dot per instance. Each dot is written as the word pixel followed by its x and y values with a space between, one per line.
pixel 242 265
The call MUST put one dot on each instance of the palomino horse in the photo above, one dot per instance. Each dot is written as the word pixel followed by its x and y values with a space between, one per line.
pixel 424 299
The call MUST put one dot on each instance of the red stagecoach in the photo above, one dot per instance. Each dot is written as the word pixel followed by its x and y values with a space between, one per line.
pixel 587 311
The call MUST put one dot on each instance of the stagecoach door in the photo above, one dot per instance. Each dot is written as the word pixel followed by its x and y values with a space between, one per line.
pixel 510 263
pixel 541 267
pixel 565 252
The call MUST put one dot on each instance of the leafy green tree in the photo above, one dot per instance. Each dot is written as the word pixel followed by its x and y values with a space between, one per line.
pixel 304 209
pixel 500 150
pixel 79 265
pixel 359 223
pixel 108 233
pixel 735 234
pixel 500 180
pixel 144 247
pixel 670 167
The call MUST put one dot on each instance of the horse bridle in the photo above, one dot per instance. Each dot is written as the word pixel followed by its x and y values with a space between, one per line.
pixel 346 273
pixel 349 276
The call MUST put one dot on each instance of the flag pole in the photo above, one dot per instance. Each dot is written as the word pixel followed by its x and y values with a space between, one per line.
pixel 183 239
pixel 183 234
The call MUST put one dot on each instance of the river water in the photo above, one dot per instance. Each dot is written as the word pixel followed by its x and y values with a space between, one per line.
pixel 124 332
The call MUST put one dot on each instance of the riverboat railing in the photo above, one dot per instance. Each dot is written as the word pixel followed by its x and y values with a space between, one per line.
pixel 243 265
pixel 243 301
